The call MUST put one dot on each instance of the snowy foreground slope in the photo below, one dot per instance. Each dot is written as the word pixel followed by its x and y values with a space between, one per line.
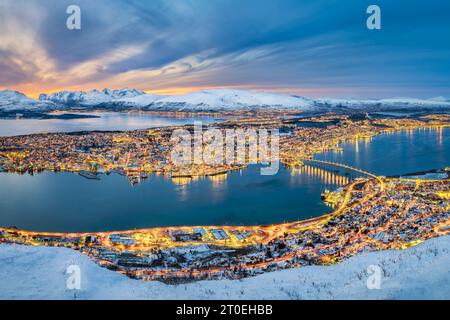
pixel 421 272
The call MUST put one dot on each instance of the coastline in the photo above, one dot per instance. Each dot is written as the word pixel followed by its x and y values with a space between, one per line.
pixel 333 238
pixel 34 115
pixel 143 253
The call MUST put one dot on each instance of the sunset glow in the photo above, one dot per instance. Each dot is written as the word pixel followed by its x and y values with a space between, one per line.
pixel 180 48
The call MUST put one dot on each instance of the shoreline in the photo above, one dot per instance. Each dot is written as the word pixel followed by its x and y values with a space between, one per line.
pixel 366 218
pixel 322 217
pixel 299 223
pixel 135 242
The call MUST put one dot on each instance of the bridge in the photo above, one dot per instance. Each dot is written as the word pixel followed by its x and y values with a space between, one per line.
pixel 341 165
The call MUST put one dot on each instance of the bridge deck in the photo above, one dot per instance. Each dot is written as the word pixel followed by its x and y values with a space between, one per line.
pixel 343 166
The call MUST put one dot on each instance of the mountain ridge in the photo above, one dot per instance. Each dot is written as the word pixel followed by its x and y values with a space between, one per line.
pixel 205 100
pixel 89 98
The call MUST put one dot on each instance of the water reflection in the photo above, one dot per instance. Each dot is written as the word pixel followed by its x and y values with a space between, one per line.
pixel 327 178
pixel 397 152
pixel 114 121
pixel 68 202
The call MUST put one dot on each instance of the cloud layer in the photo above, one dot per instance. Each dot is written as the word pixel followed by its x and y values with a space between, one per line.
pixel 314 48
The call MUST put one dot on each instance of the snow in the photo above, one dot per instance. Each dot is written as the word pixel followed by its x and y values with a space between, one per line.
pixel 206 100
pixel 221 99
pixel 421 272
pixel 142 100
pixel 412 101
pixel 440 99
pixel 234 99
pixel 16 101
pixel 385 104
pixel 90 98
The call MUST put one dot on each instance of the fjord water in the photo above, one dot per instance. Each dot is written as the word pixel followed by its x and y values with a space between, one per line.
pixel 106 121
pixel 398 153
pixel 67 202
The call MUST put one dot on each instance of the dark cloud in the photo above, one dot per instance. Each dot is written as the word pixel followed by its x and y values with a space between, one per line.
pixel 310 43
pixel 13 73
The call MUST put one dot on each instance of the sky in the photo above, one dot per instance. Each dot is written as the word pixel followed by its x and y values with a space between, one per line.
pixel 313 48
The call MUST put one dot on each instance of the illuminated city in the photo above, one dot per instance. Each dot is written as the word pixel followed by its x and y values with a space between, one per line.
pixel 370 213
pixel 224 155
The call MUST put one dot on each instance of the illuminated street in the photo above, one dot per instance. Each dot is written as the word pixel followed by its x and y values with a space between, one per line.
pixel 370 213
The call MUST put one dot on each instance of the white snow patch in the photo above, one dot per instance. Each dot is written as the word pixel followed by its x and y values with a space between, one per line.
pixel 391 103
pixel 16 101
pixel 142 100
pixel 234 99
pixel 421 272
pixel 207 100
pixel 90 98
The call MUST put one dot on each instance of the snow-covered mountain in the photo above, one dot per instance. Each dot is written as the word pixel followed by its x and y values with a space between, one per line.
pixel 16 101
pixel 226 99
pixel 207 100
pixel 231 99
pixel 382 104
pixel 139 101
pixel 440 99
pixel 91 98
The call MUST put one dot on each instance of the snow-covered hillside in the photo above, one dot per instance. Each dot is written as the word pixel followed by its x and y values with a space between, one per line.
pixel 207 100
pixel 90 98
pixel 233 99
pixel 440 99
pixel 139 101
pixel 421 272
pixel 383 104
pixel 223 99
pixel 16 101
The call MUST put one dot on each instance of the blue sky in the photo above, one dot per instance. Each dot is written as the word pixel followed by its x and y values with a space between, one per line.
pixel 314 48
